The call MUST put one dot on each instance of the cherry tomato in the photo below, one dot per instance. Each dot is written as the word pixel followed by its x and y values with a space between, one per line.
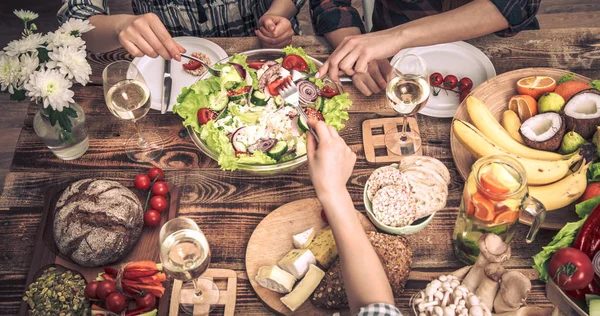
pixel 147 300
pixel 90 290
pixel 205 115
pixel 115 302
pixel 579 295
pixel 158 203
pixel 156 174
pixel 256 64
pixel 571 269
pixel 465 84
pixel 450 81
pixel 141 182
pixel 273 87
pixel 313 113
pixel 152 218
pixel 294 62
pixel 239 91
pixel 436 79
pixel 192 65
pixel 591 191
pixel 324 217
pixel 160 188
pixel 463 95
pixel 104 288
pixel 329 91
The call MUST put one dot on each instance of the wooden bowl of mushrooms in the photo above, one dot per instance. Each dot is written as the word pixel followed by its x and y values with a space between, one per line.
pixel 480 289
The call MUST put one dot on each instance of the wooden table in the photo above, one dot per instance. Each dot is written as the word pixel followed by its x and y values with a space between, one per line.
pixel 229 205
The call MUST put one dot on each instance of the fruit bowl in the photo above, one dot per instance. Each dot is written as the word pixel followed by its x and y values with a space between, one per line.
pixel 495 94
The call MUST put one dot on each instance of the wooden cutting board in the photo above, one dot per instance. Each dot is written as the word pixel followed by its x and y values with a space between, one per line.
pixel 272 239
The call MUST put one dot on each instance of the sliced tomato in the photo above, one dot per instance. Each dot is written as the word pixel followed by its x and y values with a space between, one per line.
pixel 313 113
pixel 273 87
pixel 239 91
pixel 192 65
pixel 294 62
pixel 329 92
pixel 256 64
pixel 205 115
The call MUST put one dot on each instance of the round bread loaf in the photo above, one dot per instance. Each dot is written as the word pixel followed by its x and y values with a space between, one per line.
pixel 97 222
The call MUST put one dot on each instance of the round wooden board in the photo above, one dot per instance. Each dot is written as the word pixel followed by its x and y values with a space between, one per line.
pixel 495 94
pixel 272 239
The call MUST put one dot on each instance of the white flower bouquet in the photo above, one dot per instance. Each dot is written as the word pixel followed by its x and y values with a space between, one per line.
pixel 43 67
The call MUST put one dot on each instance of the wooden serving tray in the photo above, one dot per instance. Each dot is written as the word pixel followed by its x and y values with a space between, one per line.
pixel 46 253
pixel 374 138
pixel 227 293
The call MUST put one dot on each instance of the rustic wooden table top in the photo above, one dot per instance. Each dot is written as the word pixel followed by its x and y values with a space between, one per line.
pixel 229 205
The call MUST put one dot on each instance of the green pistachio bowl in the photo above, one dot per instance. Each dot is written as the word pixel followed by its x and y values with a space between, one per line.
pixel 415 227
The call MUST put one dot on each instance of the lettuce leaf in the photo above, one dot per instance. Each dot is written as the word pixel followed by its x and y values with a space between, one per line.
pixel 194 98
pixel 593 172
pixel 241 59
pixel 257 158
pixel 216 139
pixel 335 111
pixel 586 207
pixel 249 118
pixel 299 51
pixel 565 78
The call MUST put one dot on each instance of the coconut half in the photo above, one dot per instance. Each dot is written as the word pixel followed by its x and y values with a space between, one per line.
pixel 543 131
pixel 582 112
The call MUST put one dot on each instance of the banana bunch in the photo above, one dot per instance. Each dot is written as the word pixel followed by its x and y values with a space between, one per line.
pixel 563 192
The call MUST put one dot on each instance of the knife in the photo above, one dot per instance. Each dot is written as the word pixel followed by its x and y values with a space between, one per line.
pixel 166 92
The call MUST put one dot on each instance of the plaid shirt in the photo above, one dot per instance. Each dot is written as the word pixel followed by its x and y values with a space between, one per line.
pixel 379 309
pixel 330 15
pixel 202 18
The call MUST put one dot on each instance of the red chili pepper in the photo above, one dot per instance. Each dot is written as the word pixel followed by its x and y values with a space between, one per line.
pixel 111 271
pixel 136 274
pixel 588 238
pixel 138 311
pixel 592 288
pixel 107 277
pixel 129 290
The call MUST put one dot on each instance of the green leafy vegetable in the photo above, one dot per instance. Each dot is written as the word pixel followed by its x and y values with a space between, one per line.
pixel 596 84
pixel 565 78
pixel 300 52
pixel 247 117
pixel 195 98
pixel 241 59
pixel 335 113
pixel 593 172
pixel 318 82
pixel 584 208
pixel 257 158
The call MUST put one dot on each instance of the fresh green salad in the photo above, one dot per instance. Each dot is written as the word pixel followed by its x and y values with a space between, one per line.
pixel 242 118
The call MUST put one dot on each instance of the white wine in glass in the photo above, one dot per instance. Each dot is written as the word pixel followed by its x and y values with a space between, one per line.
pixel 407 93
pixel 127 97
pixel 185 256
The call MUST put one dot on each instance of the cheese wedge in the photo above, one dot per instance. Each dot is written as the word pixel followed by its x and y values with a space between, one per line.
pixel 297 262
pixel 304 239
pixel 304 288
pixel 275 279
pixel 323 247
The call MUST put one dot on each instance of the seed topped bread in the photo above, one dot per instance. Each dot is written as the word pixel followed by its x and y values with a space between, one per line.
pixel 97 222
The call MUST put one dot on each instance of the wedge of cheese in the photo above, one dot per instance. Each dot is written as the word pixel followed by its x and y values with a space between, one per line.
pixel 304 288
pixel 304 239
pixel 323 247
pixel 297 262
pixel 275 279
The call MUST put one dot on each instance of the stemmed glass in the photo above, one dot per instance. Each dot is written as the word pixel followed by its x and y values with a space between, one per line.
pixel 128 98
pixel 185 255
pixel 407 93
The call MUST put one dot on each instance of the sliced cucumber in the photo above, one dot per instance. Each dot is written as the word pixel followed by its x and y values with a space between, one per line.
pixel 302 124
pixel 258 99
pixel 278 150
pixel 220 102
pixel 320 104
pixel 223 114
pixel 238 97
pixel 288 157
pixel 278 100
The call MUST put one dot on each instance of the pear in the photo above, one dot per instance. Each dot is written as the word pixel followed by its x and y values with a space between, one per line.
pixel 596 141
pixel 570 143
pixel 550 102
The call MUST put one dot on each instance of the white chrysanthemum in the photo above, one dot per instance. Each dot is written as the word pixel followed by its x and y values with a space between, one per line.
pixel 71 62
pixel 25 45
pixel 9 73
pixel 28 64
pixel 76 27
pixel 60 39
pixel 51 87
pixel 26 15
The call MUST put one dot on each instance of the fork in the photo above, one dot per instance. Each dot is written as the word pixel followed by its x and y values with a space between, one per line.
pixel 289 93
pixel 211 70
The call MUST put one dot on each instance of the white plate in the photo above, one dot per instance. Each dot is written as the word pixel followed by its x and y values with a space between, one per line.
pixel 153 68
pixel 458 58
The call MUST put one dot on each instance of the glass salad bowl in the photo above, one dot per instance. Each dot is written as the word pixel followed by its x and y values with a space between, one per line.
pixel 259 169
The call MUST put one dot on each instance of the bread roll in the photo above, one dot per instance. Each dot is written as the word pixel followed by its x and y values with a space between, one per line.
pixel 427 163
pixel 97 222
pixel 429 190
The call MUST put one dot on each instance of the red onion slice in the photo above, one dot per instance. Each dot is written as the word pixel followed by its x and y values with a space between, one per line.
pixel 233 136
pixel 240 69
pixel 263 145
pixel 265 79
pixel 307 92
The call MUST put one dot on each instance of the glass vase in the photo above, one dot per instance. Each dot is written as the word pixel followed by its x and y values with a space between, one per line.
pixel 63 144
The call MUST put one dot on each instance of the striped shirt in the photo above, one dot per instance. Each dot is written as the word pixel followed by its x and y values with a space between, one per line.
pixel 330 15
pixel 202 18
pixel 379 309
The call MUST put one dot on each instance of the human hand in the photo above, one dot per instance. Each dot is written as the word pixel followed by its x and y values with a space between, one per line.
pixel 146 35
pixel 374 81
pixel 330 163
pixel 355 53
pixel 275 31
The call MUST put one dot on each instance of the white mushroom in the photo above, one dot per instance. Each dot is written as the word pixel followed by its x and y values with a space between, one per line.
pixel 514 288
pixel 489 285
pixel 492 249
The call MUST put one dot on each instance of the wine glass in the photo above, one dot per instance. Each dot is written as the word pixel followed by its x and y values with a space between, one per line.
pixel 185 256
pixel 128 98
pixel 407 93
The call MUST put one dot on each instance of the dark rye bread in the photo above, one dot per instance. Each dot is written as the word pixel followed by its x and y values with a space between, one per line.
pixel 97 222
pixel 395 255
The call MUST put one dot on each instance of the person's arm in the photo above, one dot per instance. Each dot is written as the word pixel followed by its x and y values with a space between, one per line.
pixel 330 165
pixel 475 19
pixel 335 19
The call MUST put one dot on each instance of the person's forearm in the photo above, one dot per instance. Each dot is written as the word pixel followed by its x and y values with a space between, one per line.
pixel 285 8
pixel 336 37
pixel 364 277
pixel 105 36
pixel 475 19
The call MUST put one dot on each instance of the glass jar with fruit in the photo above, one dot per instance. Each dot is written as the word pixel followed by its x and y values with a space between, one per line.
pixel 494 196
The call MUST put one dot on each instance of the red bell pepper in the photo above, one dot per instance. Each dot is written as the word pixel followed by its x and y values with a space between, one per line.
pixel 141 265
pixel 107 277
pixel 111 271
pixel 135 274
pixel 588 238
pixel 156 278
pixel 156 289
